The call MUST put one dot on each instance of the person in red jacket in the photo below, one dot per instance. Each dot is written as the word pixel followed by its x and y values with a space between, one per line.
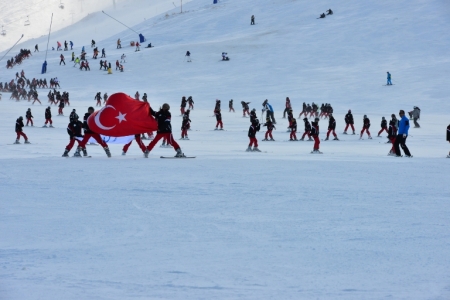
pixel 331 128
pixel 383 126
pixel 19 131
pixel 315 135
pixel 88 133
pixel 252 136
pixel 29 117
pixel 219 120
pixel 270 127
pixel 293 128
pixel 366 127
pixel 74 131
pixel 163 117
pixel 48 117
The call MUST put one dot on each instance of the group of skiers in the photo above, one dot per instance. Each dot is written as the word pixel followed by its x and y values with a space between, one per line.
pixel 327 13
pixel 17 60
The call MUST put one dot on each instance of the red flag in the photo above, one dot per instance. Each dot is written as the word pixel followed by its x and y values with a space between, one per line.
pixel 122 116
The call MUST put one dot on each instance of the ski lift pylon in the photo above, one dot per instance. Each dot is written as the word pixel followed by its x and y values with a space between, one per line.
pixel 61 5
pixel 3 31
pixel 27 22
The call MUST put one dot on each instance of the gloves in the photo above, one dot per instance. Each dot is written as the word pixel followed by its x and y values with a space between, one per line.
pixel 404 135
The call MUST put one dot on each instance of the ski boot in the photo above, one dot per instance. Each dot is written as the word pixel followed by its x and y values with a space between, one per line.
pixel 77 152
pixel 335 139
pixel 302 139
pixel 272 140
pixel 146 152
pixel 316 151
pixel 255 149
pixel 291 140
pixel 108 153
pixel 84 152
pixel 354 133
pixel 370 137
pixel 216 128
pixel 124 153
pixel 45 126
pixel 51 126
pixel 310 139
pixel 179 153
pixel 17 142
pixel 345 132
pixel 186 137
pixel 265 139
pixel 326 139
pixel 66 153
pixel 163 145
pixel 249 149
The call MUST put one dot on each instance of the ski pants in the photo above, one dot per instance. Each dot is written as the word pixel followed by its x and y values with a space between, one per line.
pixel 245 111
pixel 351 125
pixel 184 132
pixel 48 121
pixel 191 106
pixel 71 143
pixel 366 130
pixel 167 136
pixel 95 136
pixel 20 133
pixel 331 131
pixel 415 122
pixel 269 133
pixel 400 142
pixel 389 82
pixel 231 109
pixel 316 142
pixel 60 111
pixel 219 123
pixel 182 110
pixel 141 145
pixel 293 135
pixel 254 142
pixel 382 129
pixel 306 133
pixel 392 139
pixel 30 120
pixel 62 62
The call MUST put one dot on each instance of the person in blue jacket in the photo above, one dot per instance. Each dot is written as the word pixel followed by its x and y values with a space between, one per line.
pixel 389 82
pixel 269 111
pixel 402 134
pixel 71 45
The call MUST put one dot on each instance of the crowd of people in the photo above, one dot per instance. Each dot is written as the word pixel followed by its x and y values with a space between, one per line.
pixel 17 60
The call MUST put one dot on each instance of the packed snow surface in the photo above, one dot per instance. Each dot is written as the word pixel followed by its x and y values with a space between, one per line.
pixel 352 223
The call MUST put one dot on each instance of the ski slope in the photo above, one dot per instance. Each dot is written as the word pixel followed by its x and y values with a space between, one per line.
pixel 352 223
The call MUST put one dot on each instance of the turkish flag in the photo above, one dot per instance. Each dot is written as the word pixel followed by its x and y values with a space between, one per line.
pixel 122 116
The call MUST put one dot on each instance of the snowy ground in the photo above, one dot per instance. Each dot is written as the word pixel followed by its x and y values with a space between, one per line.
pixel 352 223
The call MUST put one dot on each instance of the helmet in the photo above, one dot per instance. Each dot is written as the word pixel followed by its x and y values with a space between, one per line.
pixel 29 109
pixel 365 116
pixel 48 107
pixel 73 110
pixel 382 118
pixel 349 111
pixel 316 119
pixel 330 114
pixel 254 109
pixel 255 121
pixel 305 119
pixel 20 118
pixel 166 106
pixel 91 108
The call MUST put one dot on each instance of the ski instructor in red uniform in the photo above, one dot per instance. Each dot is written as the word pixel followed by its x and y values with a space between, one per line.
pixel 163 117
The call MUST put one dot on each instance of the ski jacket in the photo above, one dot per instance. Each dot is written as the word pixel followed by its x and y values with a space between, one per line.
pixel 245 105
pixel 218 116
pixel 383 123
pixel 186 123
pixel 28 114
pixel 48 113
pixel 163 117
pixel 61 104
pixel 403 126
pixel 308 108
pixel 252 130
pixel 307 126
pixel 315 107
pixel 85 124
pixel 315 129
pixel 190 100
pixel 74 129
pixel 19 125
pixel 267 106
pixel 366 123
pixel 349 119
pixel 332 123
pixel 304 107
pixel 230 103
pixel 269 125
pixel 416 113
pixel 392 131
pixel 288 103
pixel 388 75
pixel 448 133
pixel 183 103
pixel 293 126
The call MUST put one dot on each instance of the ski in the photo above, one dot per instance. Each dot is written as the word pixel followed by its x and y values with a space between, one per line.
pixel 316 152
pixel 177 157
pixel 22 144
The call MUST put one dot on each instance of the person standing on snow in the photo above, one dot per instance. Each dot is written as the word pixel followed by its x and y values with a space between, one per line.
pixel 288 107
pixel 270 128
pixel 315 134
pixel 331 128
pixel 103 52
pixel 269 111
pixel 392 134
pixel 19 131
pixel 141 145
pixel 188 56
pixel 88 133
pixel 230 105
pixel 71 45
pixel 252 20
pixel 29 117
pixel 293 128
pixel 349 121
pixel 218 119
pixel 254 128
pixel 415 115
pixel 48 117
pixel 74 132
pixel 402 134
pixel 389 82
pixel 307 130
pixel 366 126
pixel 62 59
pixel 384 126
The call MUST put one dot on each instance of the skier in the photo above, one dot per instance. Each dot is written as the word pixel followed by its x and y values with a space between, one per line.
pixel 48 117
pixel 245 108
pixel 293 127
pixel 402 134
pixel 366 126
pixel 73 114
pixel 65 46
pixel 288 107
pixel 389 82
pixel 164 130
pixel 322 16
pixel 383 126
pixel 35 97
pixel 92 44
pixel 119 45
pixel 230 105
pixel 392 134
pixel 252 20
pixel 329 12
pixel 254 127
pixel 144 97
pixel 269 111
pixel 219 119
pixel 315 134
pixel 77 61
pixel 448 138
pixel 191 102
pixel 349 121
pixel 331 128
pixel 188 56
pixel 185 126
pixel 88 133
pixel 138 47
pixel 36 48
pixel 307 130
pixel 183 105
pixel 415 115
pixel 74 132
pixel 141 145
pixel 98 97
pixel 19 131
pixel 58 46
pixel 303 111
pixel 270 128
pixel 73 56
pixel 71 45
pixel 117 64
pixel 103 52
pixel 105 97
pixel 62 59
pixel 123 58
pixel 61 107
pixel 101 64
pixel 29 117
pixel 136 96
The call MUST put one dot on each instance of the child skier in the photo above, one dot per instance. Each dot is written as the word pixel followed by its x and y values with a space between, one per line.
pixel 392 134
pixel 230 105
pixel 98 97
pixel 185 126
pixel 315 135
pixel 293 127
pixel 62 60
pixel 307 130
pixel 331 128
pixel 29 117
pixel 270 127
pixel 245 108
pixel 219 120
pixel 191 102
pixel 183 105
pixel 252 136
pixel 141 145
pixel 48 117
pixel 349 121
pixel 383 126
pixel 366 127
pixel 19 131
pixel 61 107
pixel 74 132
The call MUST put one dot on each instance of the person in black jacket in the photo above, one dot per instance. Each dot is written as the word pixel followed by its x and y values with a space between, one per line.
pixel 88 133
pixel 19 126
pixel 183 105
pixel 163 117
pixel 448 138
pixel 383 126
pixel 331 128
pixel 191 102
pixel 307 130
pixel 349 121
pixel 303 111
pixel 29 117
pixel 392 134
pixel 218 115
pixel 74 131
pixel 61 107
pixel 48 117
pixel 315 134
pixel 230 105
pixel 245 108
pixel 185 126
pixel 293 128
pixel 366 127
pixel 252 136
pixel 270 127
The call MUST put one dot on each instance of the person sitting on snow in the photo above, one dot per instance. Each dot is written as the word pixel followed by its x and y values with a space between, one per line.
pixel 224 56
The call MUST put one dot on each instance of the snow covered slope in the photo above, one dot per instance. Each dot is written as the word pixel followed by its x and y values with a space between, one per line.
pixel 352 223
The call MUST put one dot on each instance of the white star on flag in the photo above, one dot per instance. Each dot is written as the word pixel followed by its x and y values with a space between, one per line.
pixel 121 117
